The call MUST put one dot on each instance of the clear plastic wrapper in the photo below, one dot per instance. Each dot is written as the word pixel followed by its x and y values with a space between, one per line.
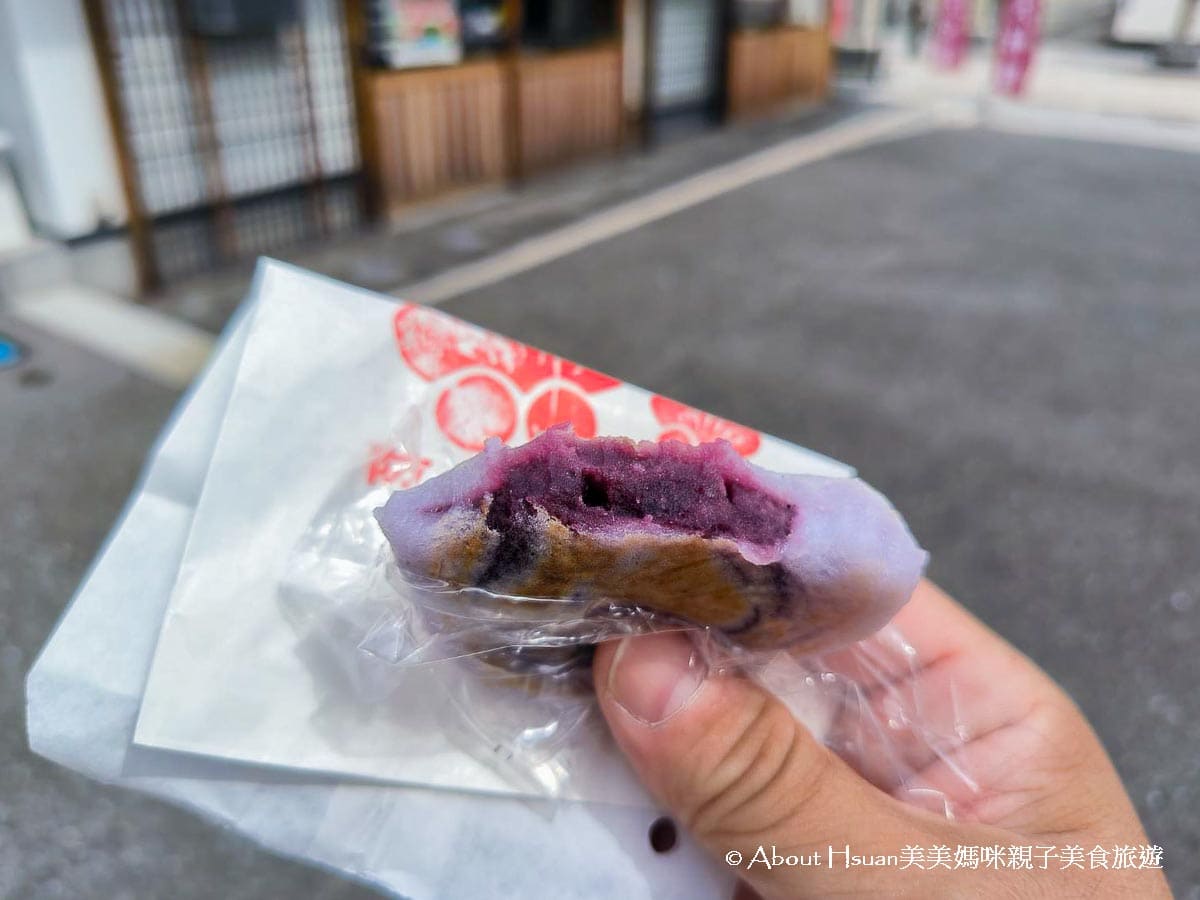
pixel 510 676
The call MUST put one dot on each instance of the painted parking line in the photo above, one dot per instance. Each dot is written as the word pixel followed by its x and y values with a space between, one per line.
pixel 859 131
pixel 162 348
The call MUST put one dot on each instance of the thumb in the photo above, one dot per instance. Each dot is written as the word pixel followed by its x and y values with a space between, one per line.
pixel 732 764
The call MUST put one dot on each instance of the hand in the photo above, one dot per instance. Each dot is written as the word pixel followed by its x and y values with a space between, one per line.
pixel 738 771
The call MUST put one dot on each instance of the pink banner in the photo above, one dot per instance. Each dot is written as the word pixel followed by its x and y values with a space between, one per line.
pixel 951 33
pixel 1015 44
pixel 839 16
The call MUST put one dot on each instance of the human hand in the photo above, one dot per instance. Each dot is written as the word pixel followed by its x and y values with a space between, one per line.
pixel 732 764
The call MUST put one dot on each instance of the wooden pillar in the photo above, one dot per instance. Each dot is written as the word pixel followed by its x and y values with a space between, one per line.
pixel 728 26
pixel 141 235
pixel 315 186
pixel 514 20
pixel 649 69
pixel 619 19
pixel 208 146
pixel 370 190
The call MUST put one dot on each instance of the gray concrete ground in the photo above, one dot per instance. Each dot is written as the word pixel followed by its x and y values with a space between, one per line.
pixel 1001 332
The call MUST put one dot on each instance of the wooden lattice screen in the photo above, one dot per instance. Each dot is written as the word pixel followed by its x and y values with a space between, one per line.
pixel 229 146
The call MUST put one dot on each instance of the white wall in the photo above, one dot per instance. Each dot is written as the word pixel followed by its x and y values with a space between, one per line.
pixel 52 106
pixel 14 227
pixel 1152 22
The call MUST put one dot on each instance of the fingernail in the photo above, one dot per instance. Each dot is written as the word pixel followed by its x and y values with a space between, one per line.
pixel 654 676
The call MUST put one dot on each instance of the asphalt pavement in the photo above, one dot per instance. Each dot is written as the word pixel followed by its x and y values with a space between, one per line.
pixel 1001 332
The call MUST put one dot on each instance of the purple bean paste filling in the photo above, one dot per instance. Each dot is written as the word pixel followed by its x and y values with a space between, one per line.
pixel 612 486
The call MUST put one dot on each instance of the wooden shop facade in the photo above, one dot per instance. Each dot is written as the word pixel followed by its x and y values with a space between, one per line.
pixel 240 126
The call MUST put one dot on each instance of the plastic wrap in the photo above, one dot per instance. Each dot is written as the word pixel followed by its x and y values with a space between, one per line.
pixel 511 676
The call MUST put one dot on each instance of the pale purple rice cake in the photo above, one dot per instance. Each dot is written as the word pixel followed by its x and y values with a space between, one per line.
pixel 693 532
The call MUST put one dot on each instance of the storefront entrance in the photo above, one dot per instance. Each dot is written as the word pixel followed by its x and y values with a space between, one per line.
pixel 686 61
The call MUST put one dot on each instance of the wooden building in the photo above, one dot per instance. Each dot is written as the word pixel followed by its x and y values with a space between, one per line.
pixel 287 120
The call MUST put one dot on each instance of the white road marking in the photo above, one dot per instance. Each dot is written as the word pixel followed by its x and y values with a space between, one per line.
pixel 1158 134
pixel 1018 118
pixel 167 350
pixel 858 131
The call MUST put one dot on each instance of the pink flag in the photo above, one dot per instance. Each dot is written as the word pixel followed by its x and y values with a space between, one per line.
pixel 951 33
pixel 1015 44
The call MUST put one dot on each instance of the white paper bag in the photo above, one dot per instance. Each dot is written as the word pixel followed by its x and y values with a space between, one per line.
pixel 331 381
pixel 85 690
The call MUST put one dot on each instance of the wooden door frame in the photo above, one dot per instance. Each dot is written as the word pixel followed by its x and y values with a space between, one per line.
pixel 719 101
pixel 149 276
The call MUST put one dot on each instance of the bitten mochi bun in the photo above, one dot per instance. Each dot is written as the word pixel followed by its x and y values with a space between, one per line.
pixel 694 532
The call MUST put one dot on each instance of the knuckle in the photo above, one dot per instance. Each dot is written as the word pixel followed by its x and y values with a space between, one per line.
pixel 754 777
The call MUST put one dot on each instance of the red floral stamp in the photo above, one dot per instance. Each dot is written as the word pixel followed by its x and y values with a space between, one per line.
pixel 491 383
pixel 396 467
pixel 690 425
pixel 493 386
